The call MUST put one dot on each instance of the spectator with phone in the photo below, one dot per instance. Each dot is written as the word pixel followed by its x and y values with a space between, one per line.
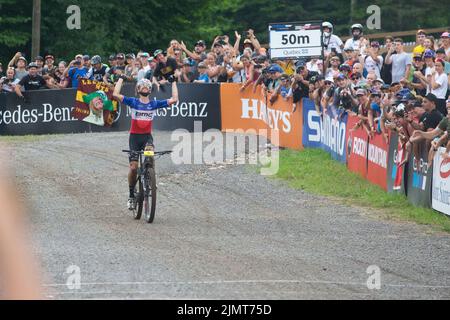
pixel 8 82
pixel 75 71
pixel 20 63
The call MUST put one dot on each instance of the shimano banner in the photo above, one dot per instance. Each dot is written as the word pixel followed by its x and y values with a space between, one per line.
pixel 327 132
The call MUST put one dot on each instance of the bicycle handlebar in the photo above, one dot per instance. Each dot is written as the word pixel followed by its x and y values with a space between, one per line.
pixel 159 153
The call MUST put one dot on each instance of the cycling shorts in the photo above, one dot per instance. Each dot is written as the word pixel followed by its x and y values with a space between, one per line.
pixel 138 142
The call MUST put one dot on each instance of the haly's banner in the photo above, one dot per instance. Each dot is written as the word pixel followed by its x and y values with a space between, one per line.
pixel 250 111
pixel 327 132
pixel 94 103
pixel 396 174
pixel 377 161
pixel 441 183
pixel 419 179
pixel 357 147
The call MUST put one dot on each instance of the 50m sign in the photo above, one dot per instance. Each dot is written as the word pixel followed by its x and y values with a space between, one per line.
pixel 295 40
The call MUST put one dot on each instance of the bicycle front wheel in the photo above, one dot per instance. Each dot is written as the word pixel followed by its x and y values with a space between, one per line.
pixel 150 195
pixel 140 201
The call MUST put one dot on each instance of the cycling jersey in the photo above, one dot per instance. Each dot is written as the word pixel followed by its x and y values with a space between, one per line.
pixel 142 114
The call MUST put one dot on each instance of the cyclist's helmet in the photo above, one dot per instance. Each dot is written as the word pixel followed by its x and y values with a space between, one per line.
pixel 144 83
pixel 328 25
pixel 357 26
pixel 96 60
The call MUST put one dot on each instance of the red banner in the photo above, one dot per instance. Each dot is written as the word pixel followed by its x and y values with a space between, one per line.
pixel 357 147
pixel 377 161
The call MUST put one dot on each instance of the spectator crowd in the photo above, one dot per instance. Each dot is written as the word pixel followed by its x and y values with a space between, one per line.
pixel 394 90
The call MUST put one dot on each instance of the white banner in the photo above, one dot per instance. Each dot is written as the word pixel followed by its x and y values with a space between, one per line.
pixel 441 183
pixel 295 40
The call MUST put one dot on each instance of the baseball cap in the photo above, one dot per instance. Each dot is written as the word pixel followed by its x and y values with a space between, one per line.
pixel 440 50
pixel 202 65
pixel 186 62
pixel 79 56
pixel 120 56
pixel 375 92
pixel 275 68
pixel 361 92
pixel 349 48
pixel 39 58
pixel 112 57
pixel 417 56
pixel 375 44
pixel 49 56
pixel 145 55
pixel 150 59
pixel 445 35
pixel 431 97
pixel 130 56
pixel 340 77
pixel 379 80
pixel 157 52
pixel 32 65
pixel 344 66
pixel 429 54
pixel 86 57
pixel 200 43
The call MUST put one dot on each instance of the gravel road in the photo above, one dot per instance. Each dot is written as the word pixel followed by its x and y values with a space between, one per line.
pixel 221 232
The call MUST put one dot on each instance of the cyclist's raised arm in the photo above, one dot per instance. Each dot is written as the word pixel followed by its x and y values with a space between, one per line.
pixel 117 89
pixel 174 98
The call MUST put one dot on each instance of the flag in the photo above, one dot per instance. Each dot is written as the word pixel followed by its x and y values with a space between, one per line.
pixel 94 103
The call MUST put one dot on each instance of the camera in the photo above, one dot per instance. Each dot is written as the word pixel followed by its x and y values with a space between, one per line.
pixel 171 79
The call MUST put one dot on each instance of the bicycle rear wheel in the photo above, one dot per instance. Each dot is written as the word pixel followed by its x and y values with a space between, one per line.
pixel 140 201
pixel 150 195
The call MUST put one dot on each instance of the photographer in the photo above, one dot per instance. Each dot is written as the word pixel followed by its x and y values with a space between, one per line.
pixel 8 83
pixel 340 97
pixel 75 71
pixel 300 83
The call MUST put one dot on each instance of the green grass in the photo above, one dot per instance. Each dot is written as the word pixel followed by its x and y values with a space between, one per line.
pixel 314 171
pixel 29 138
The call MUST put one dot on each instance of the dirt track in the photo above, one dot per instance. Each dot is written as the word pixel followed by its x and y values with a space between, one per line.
pixel 221 232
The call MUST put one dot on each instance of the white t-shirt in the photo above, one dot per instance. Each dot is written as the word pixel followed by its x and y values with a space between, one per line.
pixel 335 42
pixel 143 72
pixel 371 65
pixel 400 61
pixel 315 67
pixel 428 72
pixel 442 90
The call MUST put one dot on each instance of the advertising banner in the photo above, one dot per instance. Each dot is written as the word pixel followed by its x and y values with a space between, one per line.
pixel 357 148
pixel 395 179
pixel 419 179
pixel 327 132
pixel 441 183
pixel 246 110
pixel 53 111
pixel 377 161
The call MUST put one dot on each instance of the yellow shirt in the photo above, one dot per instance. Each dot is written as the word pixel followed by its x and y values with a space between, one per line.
pixel 420 49
pixel 288 67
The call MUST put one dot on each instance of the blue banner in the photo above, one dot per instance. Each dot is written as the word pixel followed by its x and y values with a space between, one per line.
pixel 328 132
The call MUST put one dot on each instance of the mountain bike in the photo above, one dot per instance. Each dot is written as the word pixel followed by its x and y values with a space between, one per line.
pixel 146 195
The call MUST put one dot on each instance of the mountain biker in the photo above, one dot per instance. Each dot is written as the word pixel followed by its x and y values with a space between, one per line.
pixel 142 114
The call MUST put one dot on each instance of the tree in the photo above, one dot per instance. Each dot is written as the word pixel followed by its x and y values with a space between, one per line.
pixel 15 26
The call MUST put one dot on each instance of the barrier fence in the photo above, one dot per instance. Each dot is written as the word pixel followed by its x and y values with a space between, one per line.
pixel 223 106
